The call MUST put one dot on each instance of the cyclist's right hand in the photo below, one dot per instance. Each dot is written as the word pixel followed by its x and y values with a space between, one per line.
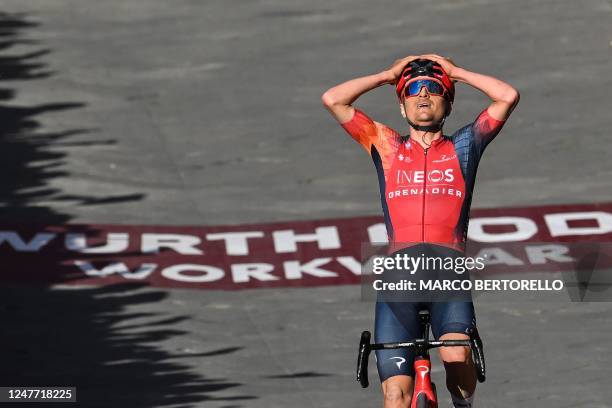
pixel 395 70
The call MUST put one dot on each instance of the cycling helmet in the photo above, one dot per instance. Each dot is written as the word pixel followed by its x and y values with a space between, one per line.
pixel 426 68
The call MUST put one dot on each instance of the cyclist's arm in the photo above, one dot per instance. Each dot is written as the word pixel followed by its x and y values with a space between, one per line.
pixel 338 99
pixel 504 96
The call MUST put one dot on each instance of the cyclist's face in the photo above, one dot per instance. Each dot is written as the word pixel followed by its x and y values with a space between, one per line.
pixel 424 108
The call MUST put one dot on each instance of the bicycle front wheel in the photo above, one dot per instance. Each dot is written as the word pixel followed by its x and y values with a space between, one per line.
pixel 422 401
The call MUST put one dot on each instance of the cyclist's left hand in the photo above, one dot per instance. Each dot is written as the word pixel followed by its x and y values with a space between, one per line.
pixel 447 64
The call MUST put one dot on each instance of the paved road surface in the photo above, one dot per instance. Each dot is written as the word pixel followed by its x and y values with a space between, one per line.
pixel 197 113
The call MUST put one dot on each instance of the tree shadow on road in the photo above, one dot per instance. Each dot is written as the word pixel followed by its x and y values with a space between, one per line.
pixel 100 340
pixel 85 337
pixel 30 156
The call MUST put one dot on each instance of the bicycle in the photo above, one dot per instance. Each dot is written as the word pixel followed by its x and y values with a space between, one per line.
pixel 424 394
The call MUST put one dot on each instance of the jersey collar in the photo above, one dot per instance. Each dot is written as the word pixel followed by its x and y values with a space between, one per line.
pixel 435 142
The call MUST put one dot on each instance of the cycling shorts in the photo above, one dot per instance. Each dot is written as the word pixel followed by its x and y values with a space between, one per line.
pixel 398 321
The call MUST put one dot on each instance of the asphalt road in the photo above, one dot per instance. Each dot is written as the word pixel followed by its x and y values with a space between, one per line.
pixel 205 113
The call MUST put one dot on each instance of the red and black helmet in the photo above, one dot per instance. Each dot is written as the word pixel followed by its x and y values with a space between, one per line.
pixel 425 68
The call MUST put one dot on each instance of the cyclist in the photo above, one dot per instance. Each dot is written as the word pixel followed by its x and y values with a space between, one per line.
pixel 426 183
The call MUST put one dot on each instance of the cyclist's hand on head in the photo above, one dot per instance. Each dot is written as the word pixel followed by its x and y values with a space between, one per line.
pixel 395 70
pixel 446 63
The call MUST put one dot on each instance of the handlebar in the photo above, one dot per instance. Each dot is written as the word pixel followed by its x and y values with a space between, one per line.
pixel 362 359
pixel 475 343
pixel 421 343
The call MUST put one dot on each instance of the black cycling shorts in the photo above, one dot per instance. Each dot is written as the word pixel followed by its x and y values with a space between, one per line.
pixel 397 319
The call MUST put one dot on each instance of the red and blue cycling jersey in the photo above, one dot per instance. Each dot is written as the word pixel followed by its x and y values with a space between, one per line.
pixel 425 193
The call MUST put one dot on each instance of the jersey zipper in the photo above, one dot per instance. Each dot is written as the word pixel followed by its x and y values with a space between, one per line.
pixel 424 192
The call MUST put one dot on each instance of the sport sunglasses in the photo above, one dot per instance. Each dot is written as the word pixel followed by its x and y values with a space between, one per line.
pixel 433 87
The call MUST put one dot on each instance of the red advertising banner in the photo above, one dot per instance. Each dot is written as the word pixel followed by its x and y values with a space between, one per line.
pixel 287 254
